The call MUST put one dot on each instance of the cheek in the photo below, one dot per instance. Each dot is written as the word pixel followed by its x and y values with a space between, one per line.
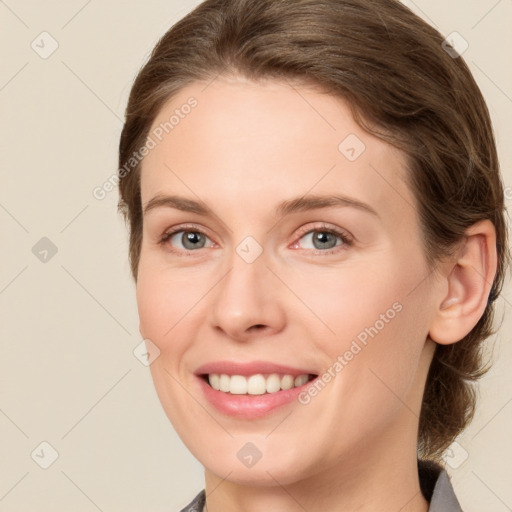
pixel 165 298
pixel 350 300
pixel 165 305
pixel 369 317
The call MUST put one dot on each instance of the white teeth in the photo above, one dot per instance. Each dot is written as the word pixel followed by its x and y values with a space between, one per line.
pixel 215 381
pixel 238 385
pixel 255 384
pixel 300 380
pixel 224 381
pixel 273 383
pixel 287 382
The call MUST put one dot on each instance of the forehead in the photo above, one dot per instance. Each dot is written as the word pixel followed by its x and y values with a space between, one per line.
pixel 250 142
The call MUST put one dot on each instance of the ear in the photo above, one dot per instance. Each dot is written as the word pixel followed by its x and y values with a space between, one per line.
pixel 468 278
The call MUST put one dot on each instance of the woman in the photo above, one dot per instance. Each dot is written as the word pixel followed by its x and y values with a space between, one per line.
pixel 317 236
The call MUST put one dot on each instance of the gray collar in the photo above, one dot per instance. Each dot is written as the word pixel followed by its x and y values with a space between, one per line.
pixel 437 488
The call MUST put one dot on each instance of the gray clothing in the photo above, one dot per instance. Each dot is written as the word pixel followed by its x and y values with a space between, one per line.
pixel 434 482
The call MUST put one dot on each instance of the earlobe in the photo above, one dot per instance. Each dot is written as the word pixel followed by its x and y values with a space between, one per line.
pixel 468 279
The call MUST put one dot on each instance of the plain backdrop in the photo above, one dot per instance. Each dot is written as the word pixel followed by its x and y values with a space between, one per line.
pixel 68 375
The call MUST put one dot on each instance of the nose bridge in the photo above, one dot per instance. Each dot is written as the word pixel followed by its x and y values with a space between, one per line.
pixel 246 296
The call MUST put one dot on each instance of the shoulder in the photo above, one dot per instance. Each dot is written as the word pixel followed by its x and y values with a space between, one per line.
pixel 436 487
pixel 197 504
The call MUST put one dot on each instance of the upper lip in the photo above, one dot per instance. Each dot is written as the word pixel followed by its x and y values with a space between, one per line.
pixel 249 368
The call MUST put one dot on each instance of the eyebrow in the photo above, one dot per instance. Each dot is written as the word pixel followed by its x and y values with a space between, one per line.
pixel 300 204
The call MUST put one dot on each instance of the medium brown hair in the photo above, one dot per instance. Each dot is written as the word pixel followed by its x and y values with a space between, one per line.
pixel 404 87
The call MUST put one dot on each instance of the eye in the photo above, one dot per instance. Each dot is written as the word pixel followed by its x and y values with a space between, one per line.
pixel 324 240
pixel 185 240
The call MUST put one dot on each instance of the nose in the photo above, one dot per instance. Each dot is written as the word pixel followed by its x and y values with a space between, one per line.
pixel 248 302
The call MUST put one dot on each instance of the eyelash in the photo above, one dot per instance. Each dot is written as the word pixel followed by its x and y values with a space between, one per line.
pixel 346 239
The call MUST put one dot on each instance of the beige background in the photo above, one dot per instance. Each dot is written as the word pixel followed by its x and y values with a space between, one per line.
pixel 68 375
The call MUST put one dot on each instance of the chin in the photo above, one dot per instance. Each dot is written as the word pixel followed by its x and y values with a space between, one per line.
pixel 240 462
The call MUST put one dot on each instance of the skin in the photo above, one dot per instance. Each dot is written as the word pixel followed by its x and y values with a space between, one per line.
pixel 243 150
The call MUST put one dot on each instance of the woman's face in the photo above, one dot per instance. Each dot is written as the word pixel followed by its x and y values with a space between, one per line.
pixel 280 240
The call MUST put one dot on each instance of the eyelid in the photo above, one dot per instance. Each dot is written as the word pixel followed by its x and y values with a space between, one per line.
pixel 322 226
pixel 185 227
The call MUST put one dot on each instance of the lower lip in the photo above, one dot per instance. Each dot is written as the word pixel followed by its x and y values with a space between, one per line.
pixel 250 406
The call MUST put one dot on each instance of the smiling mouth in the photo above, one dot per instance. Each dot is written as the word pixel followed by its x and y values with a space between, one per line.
pixel 257 384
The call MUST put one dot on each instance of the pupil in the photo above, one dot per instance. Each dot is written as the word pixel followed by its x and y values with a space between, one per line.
pixel 192 240
pixel 325 240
